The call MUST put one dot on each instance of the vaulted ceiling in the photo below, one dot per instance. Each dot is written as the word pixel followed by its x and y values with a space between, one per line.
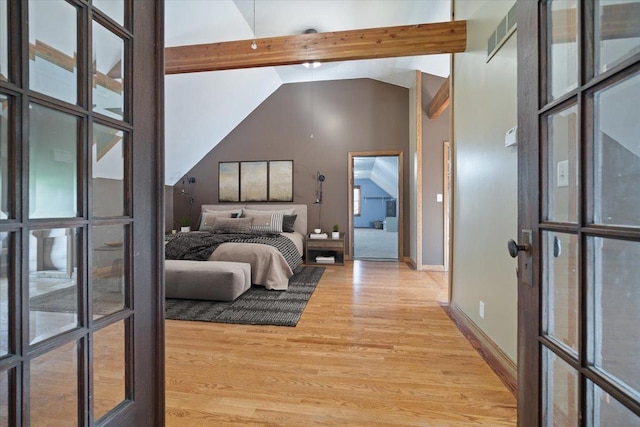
pixel 202 108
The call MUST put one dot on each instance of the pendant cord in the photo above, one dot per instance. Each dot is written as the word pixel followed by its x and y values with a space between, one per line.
pixel 254 45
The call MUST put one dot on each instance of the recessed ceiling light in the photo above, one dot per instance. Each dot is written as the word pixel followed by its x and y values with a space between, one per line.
pixel 314 64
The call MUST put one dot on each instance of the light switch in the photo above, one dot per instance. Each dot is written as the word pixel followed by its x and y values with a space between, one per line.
pixel 439 198
pixel 563 174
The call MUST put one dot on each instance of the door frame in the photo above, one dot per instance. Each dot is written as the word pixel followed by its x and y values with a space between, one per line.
pixel 528 178
pixel 390 153
pixel 446 211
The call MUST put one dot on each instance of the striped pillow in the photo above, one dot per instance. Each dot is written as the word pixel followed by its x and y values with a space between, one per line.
pixel 267 222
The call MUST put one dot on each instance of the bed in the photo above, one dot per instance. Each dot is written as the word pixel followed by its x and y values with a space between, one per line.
pixel 269 268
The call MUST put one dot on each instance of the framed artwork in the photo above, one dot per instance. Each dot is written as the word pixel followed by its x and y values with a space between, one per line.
pixel 229 181
pixel 281 181
pixel 253 181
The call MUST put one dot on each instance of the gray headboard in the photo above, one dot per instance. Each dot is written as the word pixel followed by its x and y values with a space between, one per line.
pixel 301 210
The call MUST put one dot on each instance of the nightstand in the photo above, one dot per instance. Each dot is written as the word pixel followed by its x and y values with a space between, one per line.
pixel 325 247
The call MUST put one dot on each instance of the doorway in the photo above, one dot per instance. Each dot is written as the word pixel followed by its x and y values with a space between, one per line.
pixel 375 196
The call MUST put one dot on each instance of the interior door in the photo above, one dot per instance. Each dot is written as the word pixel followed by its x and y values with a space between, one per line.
pixel 579 198
pixel 81 304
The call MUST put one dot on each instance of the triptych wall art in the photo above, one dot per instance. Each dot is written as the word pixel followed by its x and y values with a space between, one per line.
pixel 255 181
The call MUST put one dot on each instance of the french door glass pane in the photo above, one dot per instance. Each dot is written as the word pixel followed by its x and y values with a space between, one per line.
pixel 108 78
pixel 613 316
pixel 562 168
pixel 54 387
pixel 560 287
pixel 109 368
pixel 4 398
pixel 617 153
pixel 108 171
pixel 563 47
pixel 560 402
pixel 53 163
pixel 607 411
pixel 616 32
pixel 53 47
pixel 53 287
pixel 108 270
pixel 114 9
pixel 5 259
pixel 4 41
pixel 5 119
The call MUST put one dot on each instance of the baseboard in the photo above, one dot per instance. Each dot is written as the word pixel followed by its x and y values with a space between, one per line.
pixel 497 360
pixel 411 263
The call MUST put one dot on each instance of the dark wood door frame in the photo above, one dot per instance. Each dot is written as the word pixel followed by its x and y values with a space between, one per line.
pixel 393 153
pixel 528 178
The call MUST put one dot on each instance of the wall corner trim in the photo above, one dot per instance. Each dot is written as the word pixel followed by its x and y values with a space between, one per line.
pixel 411 263
pixel 497 360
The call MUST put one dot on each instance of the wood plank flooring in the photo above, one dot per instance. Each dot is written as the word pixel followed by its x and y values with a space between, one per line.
pixel 373 348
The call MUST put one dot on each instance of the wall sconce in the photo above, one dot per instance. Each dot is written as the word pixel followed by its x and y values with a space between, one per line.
pixel 319 180
pixel 186 185
pixel 186 191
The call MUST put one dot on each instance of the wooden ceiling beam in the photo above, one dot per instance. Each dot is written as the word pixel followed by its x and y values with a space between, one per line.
pixel 619 21
pixel 440 101
pixel 386 42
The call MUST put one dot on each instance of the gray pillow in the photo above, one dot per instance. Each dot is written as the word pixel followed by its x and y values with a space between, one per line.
pixel 207 217
pixel 232 225
pixel 287 223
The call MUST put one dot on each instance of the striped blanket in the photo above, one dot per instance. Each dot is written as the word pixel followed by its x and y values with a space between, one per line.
pixel 199 245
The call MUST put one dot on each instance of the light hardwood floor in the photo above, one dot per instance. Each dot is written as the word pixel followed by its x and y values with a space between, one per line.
pixel 373 348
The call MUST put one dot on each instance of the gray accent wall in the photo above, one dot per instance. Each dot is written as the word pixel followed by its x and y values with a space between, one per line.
pixel 347 115
pixel 169 223
pixel 434 134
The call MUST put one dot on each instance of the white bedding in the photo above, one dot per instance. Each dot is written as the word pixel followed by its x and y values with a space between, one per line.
pixel 268 266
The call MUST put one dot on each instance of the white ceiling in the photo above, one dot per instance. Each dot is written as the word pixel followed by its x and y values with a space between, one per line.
pixel 382 170
pixel 202 108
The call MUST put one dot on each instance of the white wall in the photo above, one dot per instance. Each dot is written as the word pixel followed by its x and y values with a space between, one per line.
pixel 485 184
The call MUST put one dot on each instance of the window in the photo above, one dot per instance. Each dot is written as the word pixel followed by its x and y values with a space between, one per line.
pixel 357 201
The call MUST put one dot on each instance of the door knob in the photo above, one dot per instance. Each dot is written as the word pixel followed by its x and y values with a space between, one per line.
pixel 514 248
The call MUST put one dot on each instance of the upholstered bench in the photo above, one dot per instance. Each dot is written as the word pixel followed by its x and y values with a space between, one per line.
pixel 206 280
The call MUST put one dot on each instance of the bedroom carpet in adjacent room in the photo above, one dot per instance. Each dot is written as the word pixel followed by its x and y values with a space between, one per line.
pixel 257 306
pixel 372 244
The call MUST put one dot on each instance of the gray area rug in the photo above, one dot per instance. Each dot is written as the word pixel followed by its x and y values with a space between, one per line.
pixel 257 306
